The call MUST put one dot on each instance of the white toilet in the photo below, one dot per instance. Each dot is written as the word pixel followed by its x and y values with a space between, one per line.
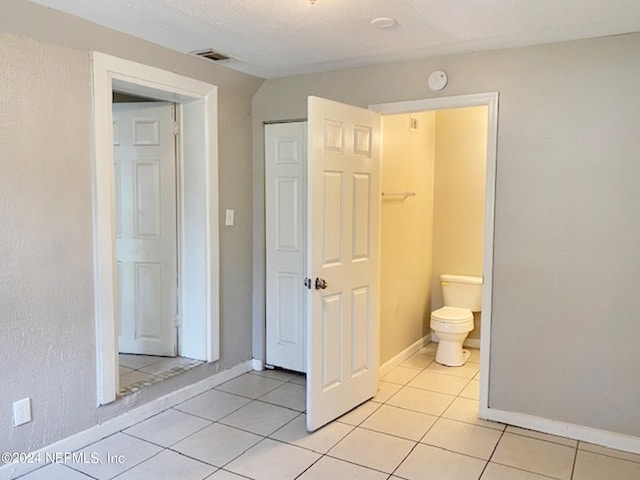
pixel 453 322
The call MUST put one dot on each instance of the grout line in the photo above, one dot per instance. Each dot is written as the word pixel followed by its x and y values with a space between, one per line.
pixel 166 447
pixel 228 471
pixel 126 469
pixel 363 466
pixel 575 459
pixel 493 452
pixel 543 475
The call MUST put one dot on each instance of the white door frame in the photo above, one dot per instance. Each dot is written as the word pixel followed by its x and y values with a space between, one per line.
pixel 489 100
pixel 199 268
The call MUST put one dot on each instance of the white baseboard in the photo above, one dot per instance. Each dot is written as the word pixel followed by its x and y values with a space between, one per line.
pixel 257 365
pixel 402 356
pixel 605 438
pixel 100 431
pixel 469 342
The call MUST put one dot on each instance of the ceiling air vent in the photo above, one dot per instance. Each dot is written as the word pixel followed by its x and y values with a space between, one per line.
pixel 212 55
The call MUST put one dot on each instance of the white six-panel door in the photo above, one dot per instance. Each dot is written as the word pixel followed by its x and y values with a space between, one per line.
pixel 146 254
pixel 344 203
pixel 285 190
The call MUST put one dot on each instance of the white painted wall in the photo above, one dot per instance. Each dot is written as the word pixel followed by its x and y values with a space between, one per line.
pixel 566 240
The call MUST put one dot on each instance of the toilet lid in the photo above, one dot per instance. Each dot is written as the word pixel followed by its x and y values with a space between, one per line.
pixel 452 314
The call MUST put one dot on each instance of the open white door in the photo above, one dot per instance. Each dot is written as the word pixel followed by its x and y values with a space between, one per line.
pixel 146 254
pixel 343 237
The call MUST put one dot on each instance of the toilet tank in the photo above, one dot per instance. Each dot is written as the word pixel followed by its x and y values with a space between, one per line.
pixel 462 291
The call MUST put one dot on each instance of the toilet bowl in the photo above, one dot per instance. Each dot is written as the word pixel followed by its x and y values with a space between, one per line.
pixel 453 322
pixel 451 325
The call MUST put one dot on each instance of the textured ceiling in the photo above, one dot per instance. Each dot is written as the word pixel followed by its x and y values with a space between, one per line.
pixel 276 38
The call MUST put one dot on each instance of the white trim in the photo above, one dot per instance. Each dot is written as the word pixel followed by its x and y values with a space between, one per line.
pixel 403 355
pixel 578 432
pixel 98 432
pixel 489 100
pixel 200 302
pixel 257 365
pixel 441 103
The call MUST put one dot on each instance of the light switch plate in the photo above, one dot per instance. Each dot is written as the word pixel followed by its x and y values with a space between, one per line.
pixel 229 217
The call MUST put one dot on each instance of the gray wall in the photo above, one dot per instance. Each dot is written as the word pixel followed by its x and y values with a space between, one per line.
pixel 566 269
pixel 47 325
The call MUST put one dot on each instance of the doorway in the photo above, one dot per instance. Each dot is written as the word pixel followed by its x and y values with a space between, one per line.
pixel 197 212
pixel 145 161
pixel 433 183
pixel 490 101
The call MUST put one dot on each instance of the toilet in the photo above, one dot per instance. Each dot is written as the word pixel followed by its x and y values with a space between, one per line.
pixel 453 322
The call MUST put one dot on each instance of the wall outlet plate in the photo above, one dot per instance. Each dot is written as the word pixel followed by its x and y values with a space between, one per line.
pixel 22 412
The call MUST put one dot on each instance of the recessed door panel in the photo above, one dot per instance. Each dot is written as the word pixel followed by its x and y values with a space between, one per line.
pixel 332 233
pixel 332 334
pixel 361 216
pixel 145 131
pixel 288 318
pixel 333 138
pixel 363 140
pixel 147 197
pixel 148 286
pixel 287 205
pixel 287 150
pixel 360 337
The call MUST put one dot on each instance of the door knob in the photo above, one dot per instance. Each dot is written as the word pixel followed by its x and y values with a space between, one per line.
pixel 321 283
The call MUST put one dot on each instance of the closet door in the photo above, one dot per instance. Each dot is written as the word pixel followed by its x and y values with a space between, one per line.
pixel 285 213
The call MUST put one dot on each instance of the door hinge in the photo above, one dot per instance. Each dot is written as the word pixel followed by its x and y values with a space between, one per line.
pixel 176 128
pixel 176 321
pixel 307 283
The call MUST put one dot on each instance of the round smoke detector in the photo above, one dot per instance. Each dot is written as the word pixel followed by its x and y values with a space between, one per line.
pixel 437 80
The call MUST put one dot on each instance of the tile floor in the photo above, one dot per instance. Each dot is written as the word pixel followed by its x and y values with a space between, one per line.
pixel 421 425
pixel 140 371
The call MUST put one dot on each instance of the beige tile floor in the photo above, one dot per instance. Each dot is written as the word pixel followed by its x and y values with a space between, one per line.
pixel 422 425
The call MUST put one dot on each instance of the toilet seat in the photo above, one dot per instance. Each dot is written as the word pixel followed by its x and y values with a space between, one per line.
pixel 452 315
